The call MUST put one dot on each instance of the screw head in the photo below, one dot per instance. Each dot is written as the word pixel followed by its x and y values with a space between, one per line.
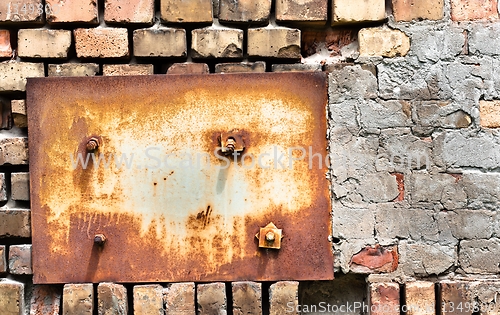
pixel 270 236
pixel 99 239
pixel 92 144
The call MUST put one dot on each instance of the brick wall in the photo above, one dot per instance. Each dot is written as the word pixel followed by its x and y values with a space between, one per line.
pixel 414 112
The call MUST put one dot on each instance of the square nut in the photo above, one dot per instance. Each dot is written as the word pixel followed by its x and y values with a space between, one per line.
pixel 270 236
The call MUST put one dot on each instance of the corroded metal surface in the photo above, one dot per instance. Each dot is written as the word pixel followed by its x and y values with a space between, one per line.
pixel 175 209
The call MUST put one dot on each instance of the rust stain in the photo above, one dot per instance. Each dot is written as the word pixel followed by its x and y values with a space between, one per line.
pixel 156 218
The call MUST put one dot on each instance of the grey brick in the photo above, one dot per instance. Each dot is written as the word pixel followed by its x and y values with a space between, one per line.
pixel 480 256
pixel 353 223
pixel 351 82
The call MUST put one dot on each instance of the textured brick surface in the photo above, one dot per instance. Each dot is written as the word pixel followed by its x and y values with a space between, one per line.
pixel 20 186
pixel 217 43
pixel 375 259
pixel 75 11
pixel 353 11
pixel 284 296
pixel 278 42
pixel 15 223
pixel 73 69
pixel 129 11
pixel 19 11
pixel 179 299
pixel 452 294
pixel 384 298
pixel 233 67
pixel 3 258
pixel 244 11
pixel 46 300
pixel 490 114
pixel 383 42
pixel 295 67
pixel 188 11
pixel 420 298
pixel 160 42
pixel 43 43
pixel 188 68
pixel 14 151
pixel 211 299
pixel 407 10
pixel 20 260
pixel 5 47
pixel 18 108
pixel 3 187
pixel 78 299
pixel 101 43
pixel 112 299
pixel 148 299
pixel 247 298
pixel 126 69
pixel 298 10
pixel 11 297
pixel 474 10
pixel 13 75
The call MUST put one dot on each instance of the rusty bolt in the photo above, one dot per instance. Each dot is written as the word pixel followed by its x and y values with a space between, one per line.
pixel 99 239
pixel 270 236
pixel 92 144
pixel 231 144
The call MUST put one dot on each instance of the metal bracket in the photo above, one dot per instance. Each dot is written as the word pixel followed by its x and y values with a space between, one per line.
pixel 270 236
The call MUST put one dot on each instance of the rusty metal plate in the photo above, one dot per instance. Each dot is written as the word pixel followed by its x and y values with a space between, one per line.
pixel 164 203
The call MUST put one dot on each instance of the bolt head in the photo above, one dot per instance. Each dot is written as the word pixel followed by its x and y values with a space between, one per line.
pixel 92 144
pixel 270 236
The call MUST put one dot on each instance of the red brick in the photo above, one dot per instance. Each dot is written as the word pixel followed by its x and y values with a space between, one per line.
pixel 283 296
pixel 420 298
pixel 112 299
pixel 20 12
pixel 400 179
pixel 20 260
pixel 465 10
pixel 101 42
pixel 78 299
pixel 211 298
pixel 15 223
pixel 408 10
pixel 247 298
pixel 127 69
pixel 11 297
pixel 188 68
pixel 244 10
pixel 75 11
pixel 45 300
pixel 5 48
pixel 129 11
pixel 375 259
pixel 301 11
pixel 384 299
pixel 186 11
pixel 452 294
pixel 179 299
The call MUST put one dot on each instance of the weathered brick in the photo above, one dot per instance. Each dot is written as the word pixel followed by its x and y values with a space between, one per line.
pixel 11 297
pixel 179 299
pixel 73 11
pixel 257 11
pixel 78 299
pixel 20 260
pixel 112 299
pixel 353 223
pixel 5 114
pixel 13 75
pixel 301 11
pixel 233 67
pixel 14 151
pixel 45 300
pixel 486 295
pixel 490 114
pixel 127 69
pixel 160 42
pixel 148 299
pixel 424 259
pixel 408 10
pixel 3 187
pixel 420 298
pixel 247 298
pixel 211 42
pixel 352 11
pixel 283 297
pixel 129 11
pixel 188 68
pixel 5 47
pixel 296 67
pixel 20 12
pixel 18 108
pixel 384 298
pixel 20 186
pixel 73 70
pixel 479 256
pixel 279 42
pixel 3 259
pixel 474 10
pixel 382 41
pixel 15 223
pixel 375 259
pixel 101 42
pixel 43 43
pixel 211 299
pixel 451 295
pixel 187 11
